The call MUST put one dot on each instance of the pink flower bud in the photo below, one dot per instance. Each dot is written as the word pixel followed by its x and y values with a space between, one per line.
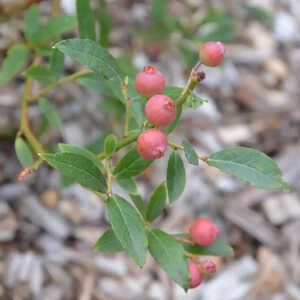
pixel 195 275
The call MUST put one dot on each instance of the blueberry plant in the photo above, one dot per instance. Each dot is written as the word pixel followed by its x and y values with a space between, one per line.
pixel 152 111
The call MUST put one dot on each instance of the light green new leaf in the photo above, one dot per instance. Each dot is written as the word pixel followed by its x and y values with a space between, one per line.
pixel 86 21
pixel 79 168
pixel 50 113
pixel 110 145
pixel 175 176
pixel 13 62
pixel 157 202
pixel 23 152
pixel 57 63
pixel 32 21
pixel 128 227
pixel 54 28
pixel 127 183
pixel 40 73
pixel 170 255
pixel 190 153
pixel 131 164
pixel 249 165
pixel 92 55
pixel 108 242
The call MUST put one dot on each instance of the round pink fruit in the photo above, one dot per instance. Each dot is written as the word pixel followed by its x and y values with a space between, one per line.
pixel 212 53
pixel 160 110
pixel 149 82
pixel 204 232
pixel 152 144
pixel 195 275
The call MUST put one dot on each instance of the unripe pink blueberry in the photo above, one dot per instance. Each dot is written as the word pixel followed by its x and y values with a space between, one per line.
pixel 204 232
pixel 209 266
pixel 152 144
pixel 195 275
pixel 212 53
pixel 160 110
pixel 149 82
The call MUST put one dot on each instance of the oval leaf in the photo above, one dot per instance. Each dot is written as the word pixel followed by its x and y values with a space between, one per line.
pixel 110 145
pixel 23 152
pixel 86 21
pixel 79 168
pixel 139 203
pixel 250 165
pixel 32 21
pixel 190 153
pixel 40 73
pixel 57 63
pixel 175 176
pixel 157 202
pixel 128 227
pixel 170 255
pixel 50 113
pixel 127 183
pixel 108 242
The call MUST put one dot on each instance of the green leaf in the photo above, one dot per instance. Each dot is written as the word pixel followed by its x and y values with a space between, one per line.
pixel 50 113
pixel 82 151
pixel 13 62
pixel 41 74
pixel 157 202
pixel 128 227
pixel 190 153
pixel 105 24
pixel 159 10
pixel 97 145
pixel 90 54
pixel 54 28
pixel 79 168
pixel 110 145
pixel 57 63
pixel 86 21
pixel 139 203
pixel 170 255
pixel 175 176
pixel 127 183
pixel 97 83
pixel 131 164
pixel 32 21
pixel 44 50
pixel 249 165
pixel 108 242
pixel 218 248
pixel 194 101
pixel 23 152
pixel 173 92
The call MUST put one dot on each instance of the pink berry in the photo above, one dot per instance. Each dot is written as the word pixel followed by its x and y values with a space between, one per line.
pixel 209 266
pixel 204 232
pixel 212 53
pixel 195 275
pixel 160 110
pixel 149 82
pixel 152 144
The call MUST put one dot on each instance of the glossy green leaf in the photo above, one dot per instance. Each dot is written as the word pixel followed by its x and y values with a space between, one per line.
pixel 81 151
pixel 86 21
pixel 249 165
pixel 13 62
pixel 128 227
pixel 54 28
pixel 175 176
pixel 127 183
pixel 105 24
pixel 57 63
pixel 32 21
pixel 23 152
pixel 110 145
pixel 139 203
pixel 108 242
pixel 92 55
pixel 190 153
pixel 50 113
pixel 40 73
pixel 79 168
pixel 170 255
pixel 131 164
pixel 157 202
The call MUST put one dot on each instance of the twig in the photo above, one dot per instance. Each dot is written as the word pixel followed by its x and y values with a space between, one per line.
pixel 127 106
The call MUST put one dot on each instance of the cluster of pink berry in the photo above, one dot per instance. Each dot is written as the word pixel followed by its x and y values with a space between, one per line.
pixel 160 110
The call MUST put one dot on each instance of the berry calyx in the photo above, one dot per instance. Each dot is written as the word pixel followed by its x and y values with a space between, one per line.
pixel 204 232
pixel 160 110
pixel 152 144
pixel 149 82
pixel 195 275
pixel 209 267
pixel 212 53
